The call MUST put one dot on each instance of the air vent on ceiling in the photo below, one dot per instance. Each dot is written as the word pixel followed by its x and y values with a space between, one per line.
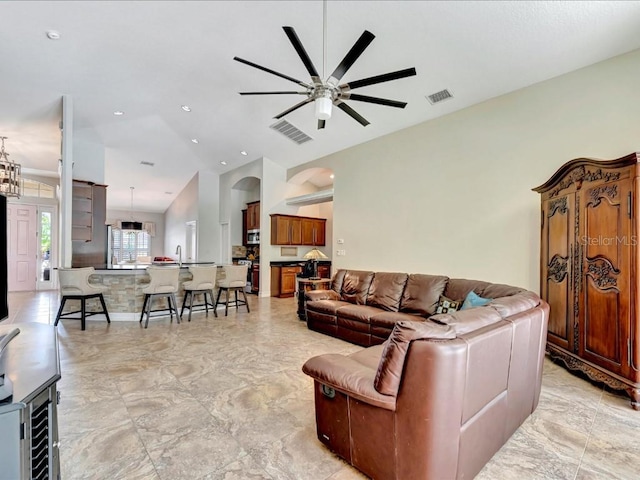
pixel 440 96
pixel 149 164
pixel 291 132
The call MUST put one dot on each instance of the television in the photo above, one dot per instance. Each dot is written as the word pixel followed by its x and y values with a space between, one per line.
pixel 4 300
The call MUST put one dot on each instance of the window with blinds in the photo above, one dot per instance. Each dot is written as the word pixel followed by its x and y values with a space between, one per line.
pixel 130 245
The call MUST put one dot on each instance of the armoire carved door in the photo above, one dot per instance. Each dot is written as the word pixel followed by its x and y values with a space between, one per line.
pixel 589 255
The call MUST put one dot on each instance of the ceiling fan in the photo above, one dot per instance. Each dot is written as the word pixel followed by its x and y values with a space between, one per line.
pixel 327 92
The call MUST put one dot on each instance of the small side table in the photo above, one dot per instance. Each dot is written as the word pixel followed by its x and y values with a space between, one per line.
pixel 306 285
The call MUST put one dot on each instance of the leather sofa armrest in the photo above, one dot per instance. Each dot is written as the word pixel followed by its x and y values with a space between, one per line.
pixel 349 377
pixel 322 295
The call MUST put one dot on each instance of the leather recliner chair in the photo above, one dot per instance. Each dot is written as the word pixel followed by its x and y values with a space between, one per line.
pixel 436 400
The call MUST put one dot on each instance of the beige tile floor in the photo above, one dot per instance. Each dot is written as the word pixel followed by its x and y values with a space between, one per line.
pixel 225 399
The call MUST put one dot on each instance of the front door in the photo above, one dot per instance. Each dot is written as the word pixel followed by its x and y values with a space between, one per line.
pixel 22 248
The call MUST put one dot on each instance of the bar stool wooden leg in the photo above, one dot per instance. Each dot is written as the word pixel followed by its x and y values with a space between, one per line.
pixel 83 310
pixel 245 301
pixel 104 308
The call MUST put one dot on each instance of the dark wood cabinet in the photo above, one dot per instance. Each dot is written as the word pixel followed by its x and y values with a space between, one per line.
pixel 324 271
pixel 589 272
pixel 253 216
pixel 294 230
pixel 255 277
pixel 88 225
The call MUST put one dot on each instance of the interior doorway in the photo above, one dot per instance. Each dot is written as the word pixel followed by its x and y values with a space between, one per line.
pixel 22 247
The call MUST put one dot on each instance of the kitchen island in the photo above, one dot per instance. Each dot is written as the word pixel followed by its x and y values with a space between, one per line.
pixel 124 296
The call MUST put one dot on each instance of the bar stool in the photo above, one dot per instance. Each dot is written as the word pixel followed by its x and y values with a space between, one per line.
pixel 164 284
pixel 235 279
pixel 74 285
pixel 202 283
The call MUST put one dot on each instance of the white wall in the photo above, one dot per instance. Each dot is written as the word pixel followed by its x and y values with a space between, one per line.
pixel 182 210
pixel 208 217
pixel 453 195
pixel 157 242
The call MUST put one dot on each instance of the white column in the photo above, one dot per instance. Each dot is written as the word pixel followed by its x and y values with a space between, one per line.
pixel 66 182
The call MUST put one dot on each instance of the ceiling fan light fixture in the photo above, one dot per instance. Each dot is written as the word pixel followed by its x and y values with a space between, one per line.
pixel 323 108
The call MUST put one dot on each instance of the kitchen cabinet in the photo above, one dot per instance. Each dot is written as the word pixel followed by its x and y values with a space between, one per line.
pixel 294 230
pixel 283 280
pixel 81 211
pixel 255 277
pixel 253 216
pixel 324 271
pixel 588 273
pixel 88 225
pixel 313 231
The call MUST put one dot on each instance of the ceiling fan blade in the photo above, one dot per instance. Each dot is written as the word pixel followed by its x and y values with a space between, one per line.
pixel 321 124
pixel 386 77
pixel 272 72
pixel 377 100
pixel 295 107
pixel 352 113
pixel 273 93
pixel 361 44
pixel 302 53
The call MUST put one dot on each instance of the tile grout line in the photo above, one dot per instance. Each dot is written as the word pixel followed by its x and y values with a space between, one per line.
pixel 584 450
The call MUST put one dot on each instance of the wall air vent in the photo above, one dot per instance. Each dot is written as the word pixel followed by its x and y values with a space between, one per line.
pixel 148 164
pixel 440 96
pixel 291 132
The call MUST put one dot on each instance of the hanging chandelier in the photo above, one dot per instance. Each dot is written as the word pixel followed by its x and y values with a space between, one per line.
pixel 10 176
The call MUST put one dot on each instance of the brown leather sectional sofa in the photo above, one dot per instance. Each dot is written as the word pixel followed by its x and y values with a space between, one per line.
pixel 362 307
pixel 440 397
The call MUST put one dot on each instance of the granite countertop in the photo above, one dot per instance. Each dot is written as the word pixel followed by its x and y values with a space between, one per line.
pixel 143 266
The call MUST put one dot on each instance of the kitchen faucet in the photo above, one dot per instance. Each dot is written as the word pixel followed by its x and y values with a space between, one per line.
pixel 179 253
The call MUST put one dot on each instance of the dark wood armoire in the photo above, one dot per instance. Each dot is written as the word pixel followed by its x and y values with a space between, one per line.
pixel 589 269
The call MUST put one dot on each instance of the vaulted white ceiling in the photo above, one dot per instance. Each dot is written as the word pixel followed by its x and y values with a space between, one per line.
pixel 149 58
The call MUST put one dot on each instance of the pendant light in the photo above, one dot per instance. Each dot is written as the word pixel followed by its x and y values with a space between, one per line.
pixel 131 225
pixel 10 174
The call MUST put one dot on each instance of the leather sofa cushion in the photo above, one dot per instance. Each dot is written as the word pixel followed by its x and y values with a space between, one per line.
pixel 459 288
pixel 355 286
pixel 314 295
pixel 329 307
pixel 507 306
pixel 389 319
pixel 352 375
pixel 386 290
pixel 465 321
pixel 389 373
pixel 336 281
pixel 422 292
pixel 361 313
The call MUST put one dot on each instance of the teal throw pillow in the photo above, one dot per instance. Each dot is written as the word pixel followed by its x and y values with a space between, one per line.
pixel 474 300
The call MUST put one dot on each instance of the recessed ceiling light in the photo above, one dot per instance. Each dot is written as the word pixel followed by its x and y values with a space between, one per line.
pixel 195 140
pixel 223 162
pixel 118 113
pixel 53 35
pixel 331 176
pixel 186 108
pixel 243 153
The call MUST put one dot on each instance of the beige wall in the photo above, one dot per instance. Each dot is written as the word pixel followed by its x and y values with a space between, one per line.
pixel 453 195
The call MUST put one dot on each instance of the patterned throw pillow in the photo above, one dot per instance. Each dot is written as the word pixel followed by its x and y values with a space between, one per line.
pixel 474 300
pixel 446 305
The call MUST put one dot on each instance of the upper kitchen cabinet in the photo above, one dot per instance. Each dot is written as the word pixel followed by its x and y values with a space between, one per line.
pixel 313 231
pixel 294 230
pixel 253 216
